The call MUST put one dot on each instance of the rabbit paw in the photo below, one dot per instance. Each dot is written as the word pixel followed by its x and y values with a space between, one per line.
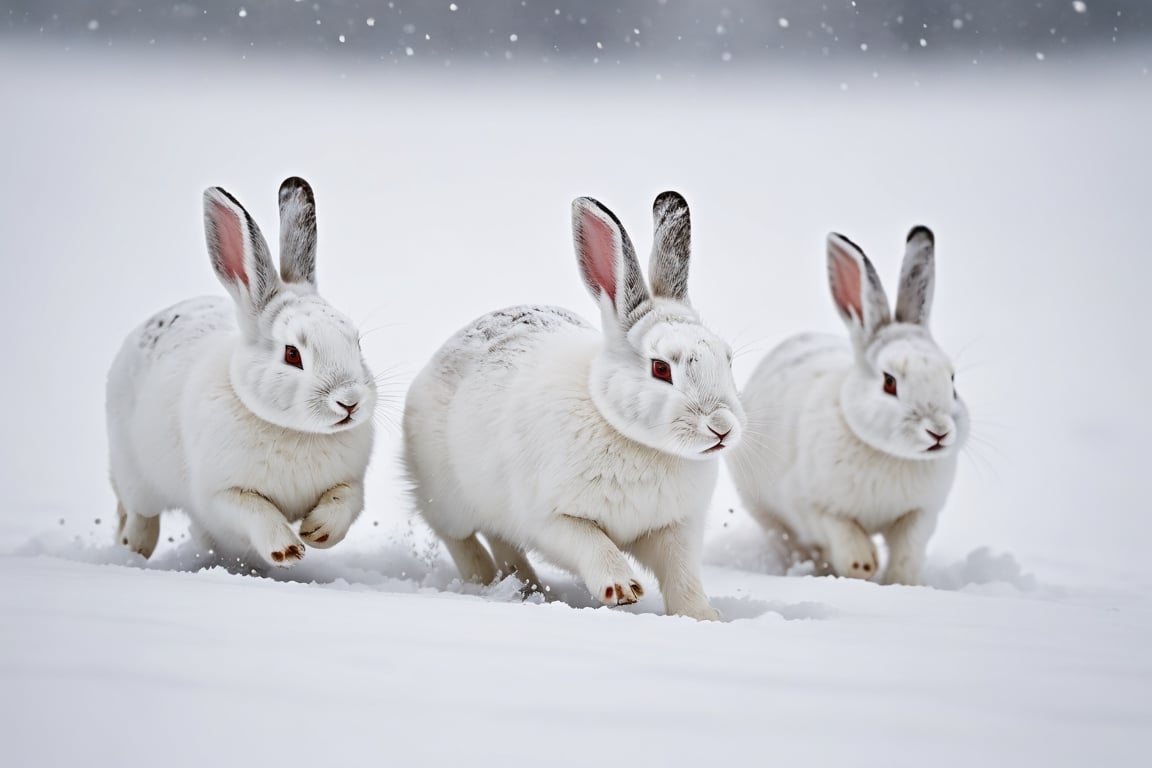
pixel 328 522
pixel 137 532
pixel 281 547
pixel 620 592
pixel 288 556
pixel 325 526
pixel 854 555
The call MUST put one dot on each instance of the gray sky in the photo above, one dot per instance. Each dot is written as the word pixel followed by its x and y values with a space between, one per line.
pixel 570 32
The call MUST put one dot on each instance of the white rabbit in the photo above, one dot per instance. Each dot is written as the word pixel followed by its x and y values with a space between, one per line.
pixel 847 440
pixel 541 433
pixel 250 414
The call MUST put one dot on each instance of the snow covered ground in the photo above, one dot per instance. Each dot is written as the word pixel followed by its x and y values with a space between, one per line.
pixel 443 196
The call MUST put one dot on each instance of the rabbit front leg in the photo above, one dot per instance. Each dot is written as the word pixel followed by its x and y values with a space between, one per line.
pixel 581 546
pixel 907 540
pixel 252 516
pixel 328 522
pixel 673 555
pixel 137 532
pixel 847 546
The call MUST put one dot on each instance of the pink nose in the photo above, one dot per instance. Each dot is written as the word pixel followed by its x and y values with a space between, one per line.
pixel 351 408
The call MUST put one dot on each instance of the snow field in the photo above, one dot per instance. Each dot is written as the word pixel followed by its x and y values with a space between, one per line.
pixel 443 197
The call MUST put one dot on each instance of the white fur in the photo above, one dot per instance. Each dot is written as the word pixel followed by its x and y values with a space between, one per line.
pixel 543 434
pixel 205 415
pixel 831 458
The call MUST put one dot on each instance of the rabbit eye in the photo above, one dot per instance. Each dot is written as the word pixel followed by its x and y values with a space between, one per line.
pixel 661 370
pixel 292 357
pixel 889 384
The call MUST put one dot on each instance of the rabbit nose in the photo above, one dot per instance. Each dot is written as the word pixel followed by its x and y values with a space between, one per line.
pixel 720 435
pixel 936 436
pixel 350 407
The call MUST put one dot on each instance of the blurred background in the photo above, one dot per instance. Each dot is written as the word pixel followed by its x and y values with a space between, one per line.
pixel 680 35
pixel 445 141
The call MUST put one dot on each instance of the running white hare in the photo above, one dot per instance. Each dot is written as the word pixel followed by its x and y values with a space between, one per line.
pixel 851 439
pixel 541 433
pixel 249 414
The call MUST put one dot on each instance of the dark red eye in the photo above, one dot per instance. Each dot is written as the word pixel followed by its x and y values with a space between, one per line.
pixel 292 357
pixel 661 370
pixel 889 384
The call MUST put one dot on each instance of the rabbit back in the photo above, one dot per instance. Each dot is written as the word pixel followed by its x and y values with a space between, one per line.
pixel 146 388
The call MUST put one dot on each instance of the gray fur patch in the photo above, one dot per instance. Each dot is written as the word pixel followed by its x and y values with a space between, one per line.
pixel 297 232
pixel 160 334
pixel 671 247
pixel 876 299
pixel 634 293
pixel 499 337
pixel 917 278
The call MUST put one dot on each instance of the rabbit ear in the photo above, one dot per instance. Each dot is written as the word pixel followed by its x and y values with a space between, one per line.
pixel 856 288
pixel 297 232
pixel 671 247
pixel 607 260
pixel 238 251
pixel 917 277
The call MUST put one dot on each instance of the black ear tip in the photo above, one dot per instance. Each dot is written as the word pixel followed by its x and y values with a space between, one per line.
pixel 837 236
pixel 584 205
pixel 293 183
pixel 584 202
pixel 216 192
pixel 669 199
pixel 592 204
pixel 921 231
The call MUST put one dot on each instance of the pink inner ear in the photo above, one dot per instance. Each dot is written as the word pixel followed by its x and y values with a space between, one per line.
pixel 230 240
pixel 598 256
pixel 846 281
